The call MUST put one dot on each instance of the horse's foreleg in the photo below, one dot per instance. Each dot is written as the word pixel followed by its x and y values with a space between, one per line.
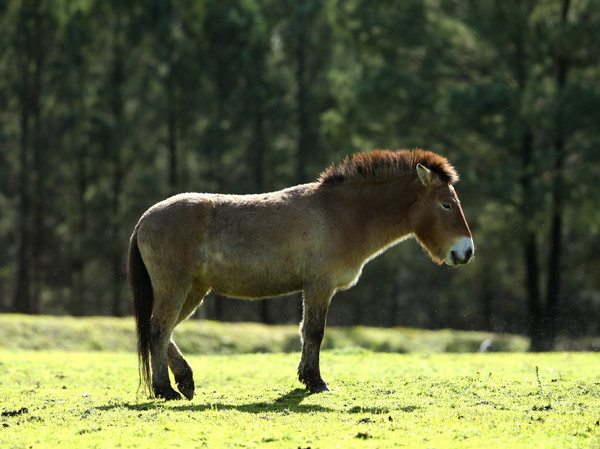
pixel 316 300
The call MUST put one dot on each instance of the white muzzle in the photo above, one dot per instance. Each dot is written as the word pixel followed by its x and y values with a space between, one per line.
pixel 461 252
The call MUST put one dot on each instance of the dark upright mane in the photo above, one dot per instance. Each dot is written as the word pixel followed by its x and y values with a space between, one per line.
pixel 381 165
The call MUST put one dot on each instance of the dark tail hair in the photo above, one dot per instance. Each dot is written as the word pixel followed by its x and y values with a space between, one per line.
pixel 143 300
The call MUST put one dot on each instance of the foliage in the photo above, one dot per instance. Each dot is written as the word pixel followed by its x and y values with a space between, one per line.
pixel 109 107
pixel 53 399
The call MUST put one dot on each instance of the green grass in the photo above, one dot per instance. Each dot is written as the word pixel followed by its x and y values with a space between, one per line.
pixel 379 400
pixel 209 337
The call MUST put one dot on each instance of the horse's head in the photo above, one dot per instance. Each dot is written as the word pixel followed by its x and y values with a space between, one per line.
pixel 438 222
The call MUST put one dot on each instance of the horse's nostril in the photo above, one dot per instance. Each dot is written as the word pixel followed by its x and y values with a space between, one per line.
pixel 453 256
pixel 469 254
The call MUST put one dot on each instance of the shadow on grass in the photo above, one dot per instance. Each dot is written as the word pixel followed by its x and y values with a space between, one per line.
pixel 289 402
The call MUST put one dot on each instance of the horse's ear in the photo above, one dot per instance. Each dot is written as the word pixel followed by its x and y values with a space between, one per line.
pixel 427 178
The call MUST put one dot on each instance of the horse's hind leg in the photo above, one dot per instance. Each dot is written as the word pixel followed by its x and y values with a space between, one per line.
pixel 182 371
pixel 316 300
pixel 167 307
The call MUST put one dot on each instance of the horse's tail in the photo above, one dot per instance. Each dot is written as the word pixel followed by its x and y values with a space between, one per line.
pixel 143 299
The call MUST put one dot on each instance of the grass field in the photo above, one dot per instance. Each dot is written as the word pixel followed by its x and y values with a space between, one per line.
pixel 210 337
pixel 379 400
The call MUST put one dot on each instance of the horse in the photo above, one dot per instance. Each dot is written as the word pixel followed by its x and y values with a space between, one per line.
pixel 313 237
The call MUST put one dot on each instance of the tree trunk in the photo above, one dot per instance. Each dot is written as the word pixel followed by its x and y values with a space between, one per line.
pixel 117 174
pixel 554 260
pixel 77 304
pixel 39 170
pixel 30 51
pixel 301 93
pixel 530 247
pixel 22 299
pixel 536 331
pixel 172 132
pixel 487 300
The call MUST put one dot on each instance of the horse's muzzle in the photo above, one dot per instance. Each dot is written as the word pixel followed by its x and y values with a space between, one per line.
pixel 461 252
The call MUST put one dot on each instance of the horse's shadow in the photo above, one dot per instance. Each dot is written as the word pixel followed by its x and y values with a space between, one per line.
pixel 290 402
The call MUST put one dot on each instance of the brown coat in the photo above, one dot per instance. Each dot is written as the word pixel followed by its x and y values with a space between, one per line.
pixel 313 238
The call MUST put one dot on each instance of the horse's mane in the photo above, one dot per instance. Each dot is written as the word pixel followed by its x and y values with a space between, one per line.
pixel 381 165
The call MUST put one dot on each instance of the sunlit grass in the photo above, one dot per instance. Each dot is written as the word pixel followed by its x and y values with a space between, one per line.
pixel 520 400
pixel 210 337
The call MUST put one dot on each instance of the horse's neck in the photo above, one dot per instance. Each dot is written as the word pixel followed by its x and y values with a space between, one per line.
pixel 379 212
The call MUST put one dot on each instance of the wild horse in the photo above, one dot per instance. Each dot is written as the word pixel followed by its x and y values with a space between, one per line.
pixel 313 238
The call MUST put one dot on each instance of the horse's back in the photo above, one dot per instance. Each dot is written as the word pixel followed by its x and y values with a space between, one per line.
pixel 237 245
pixel 263 245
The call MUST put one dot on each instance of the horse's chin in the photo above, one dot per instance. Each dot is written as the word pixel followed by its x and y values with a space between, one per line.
pixel 435 259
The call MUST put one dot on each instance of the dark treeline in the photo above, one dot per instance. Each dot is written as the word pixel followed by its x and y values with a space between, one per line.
pixel 110 106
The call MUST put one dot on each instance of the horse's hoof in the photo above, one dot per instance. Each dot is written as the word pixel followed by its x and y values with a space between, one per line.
pixel 187 392
pixel 185 384
pixel 320 388
pixel 172 397
pixel 167 395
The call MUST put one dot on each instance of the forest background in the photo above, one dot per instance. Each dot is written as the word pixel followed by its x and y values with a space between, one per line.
pixel 109 106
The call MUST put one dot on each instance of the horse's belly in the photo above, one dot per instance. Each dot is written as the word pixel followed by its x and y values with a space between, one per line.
pixel 253 287
pixel 249 280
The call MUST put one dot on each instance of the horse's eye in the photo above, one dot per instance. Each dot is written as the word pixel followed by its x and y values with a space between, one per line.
pixel 447 206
